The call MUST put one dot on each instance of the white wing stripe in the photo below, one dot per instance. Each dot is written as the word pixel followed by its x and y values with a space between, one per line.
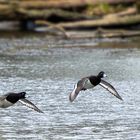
pixel 73 95
pixel 30 105
pixel 110 88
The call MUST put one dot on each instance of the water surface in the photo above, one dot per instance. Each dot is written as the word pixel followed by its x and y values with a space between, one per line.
pixel 48 70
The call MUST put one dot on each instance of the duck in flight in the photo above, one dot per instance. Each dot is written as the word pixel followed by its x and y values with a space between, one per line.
pixel 90 82
pixel 10 99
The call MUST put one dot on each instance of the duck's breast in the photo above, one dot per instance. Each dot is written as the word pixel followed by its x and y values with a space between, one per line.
pixel 88 84
pixel 5 104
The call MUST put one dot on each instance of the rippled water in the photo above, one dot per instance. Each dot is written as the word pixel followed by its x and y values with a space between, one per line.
pixel 48 75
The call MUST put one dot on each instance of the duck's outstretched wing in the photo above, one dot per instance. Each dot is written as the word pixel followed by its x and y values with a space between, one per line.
pixel 30 105
pixel 110 88
pixel 77 88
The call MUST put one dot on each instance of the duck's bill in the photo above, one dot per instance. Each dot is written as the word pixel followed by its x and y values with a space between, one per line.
pixel 30 105
pixel 110 88
pixel 104 75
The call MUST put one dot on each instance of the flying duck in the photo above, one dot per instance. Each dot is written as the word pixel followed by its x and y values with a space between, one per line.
pixel 10 99
pixel 90 82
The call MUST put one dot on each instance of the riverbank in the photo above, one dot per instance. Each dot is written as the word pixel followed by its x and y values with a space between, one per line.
pixel 64 16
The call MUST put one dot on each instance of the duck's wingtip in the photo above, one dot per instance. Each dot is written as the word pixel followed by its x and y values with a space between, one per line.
pixel 41 112
pixel 70 99
pixel 38 110
pixel 119 97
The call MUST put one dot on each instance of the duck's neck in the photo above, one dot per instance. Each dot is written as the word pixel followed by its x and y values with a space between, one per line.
pixel 99 76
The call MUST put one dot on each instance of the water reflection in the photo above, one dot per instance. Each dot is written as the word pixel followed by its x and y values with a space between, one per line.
pixel 48 77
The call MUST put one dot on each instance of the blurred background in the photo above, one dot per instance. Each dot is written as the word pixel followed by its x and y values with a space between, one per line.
pixel 67 15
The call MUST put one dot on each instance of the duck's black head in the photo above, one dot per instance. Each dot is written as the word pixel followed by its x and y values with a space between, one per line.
pixel 101 74
pixel 14 97
pixel 22 95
